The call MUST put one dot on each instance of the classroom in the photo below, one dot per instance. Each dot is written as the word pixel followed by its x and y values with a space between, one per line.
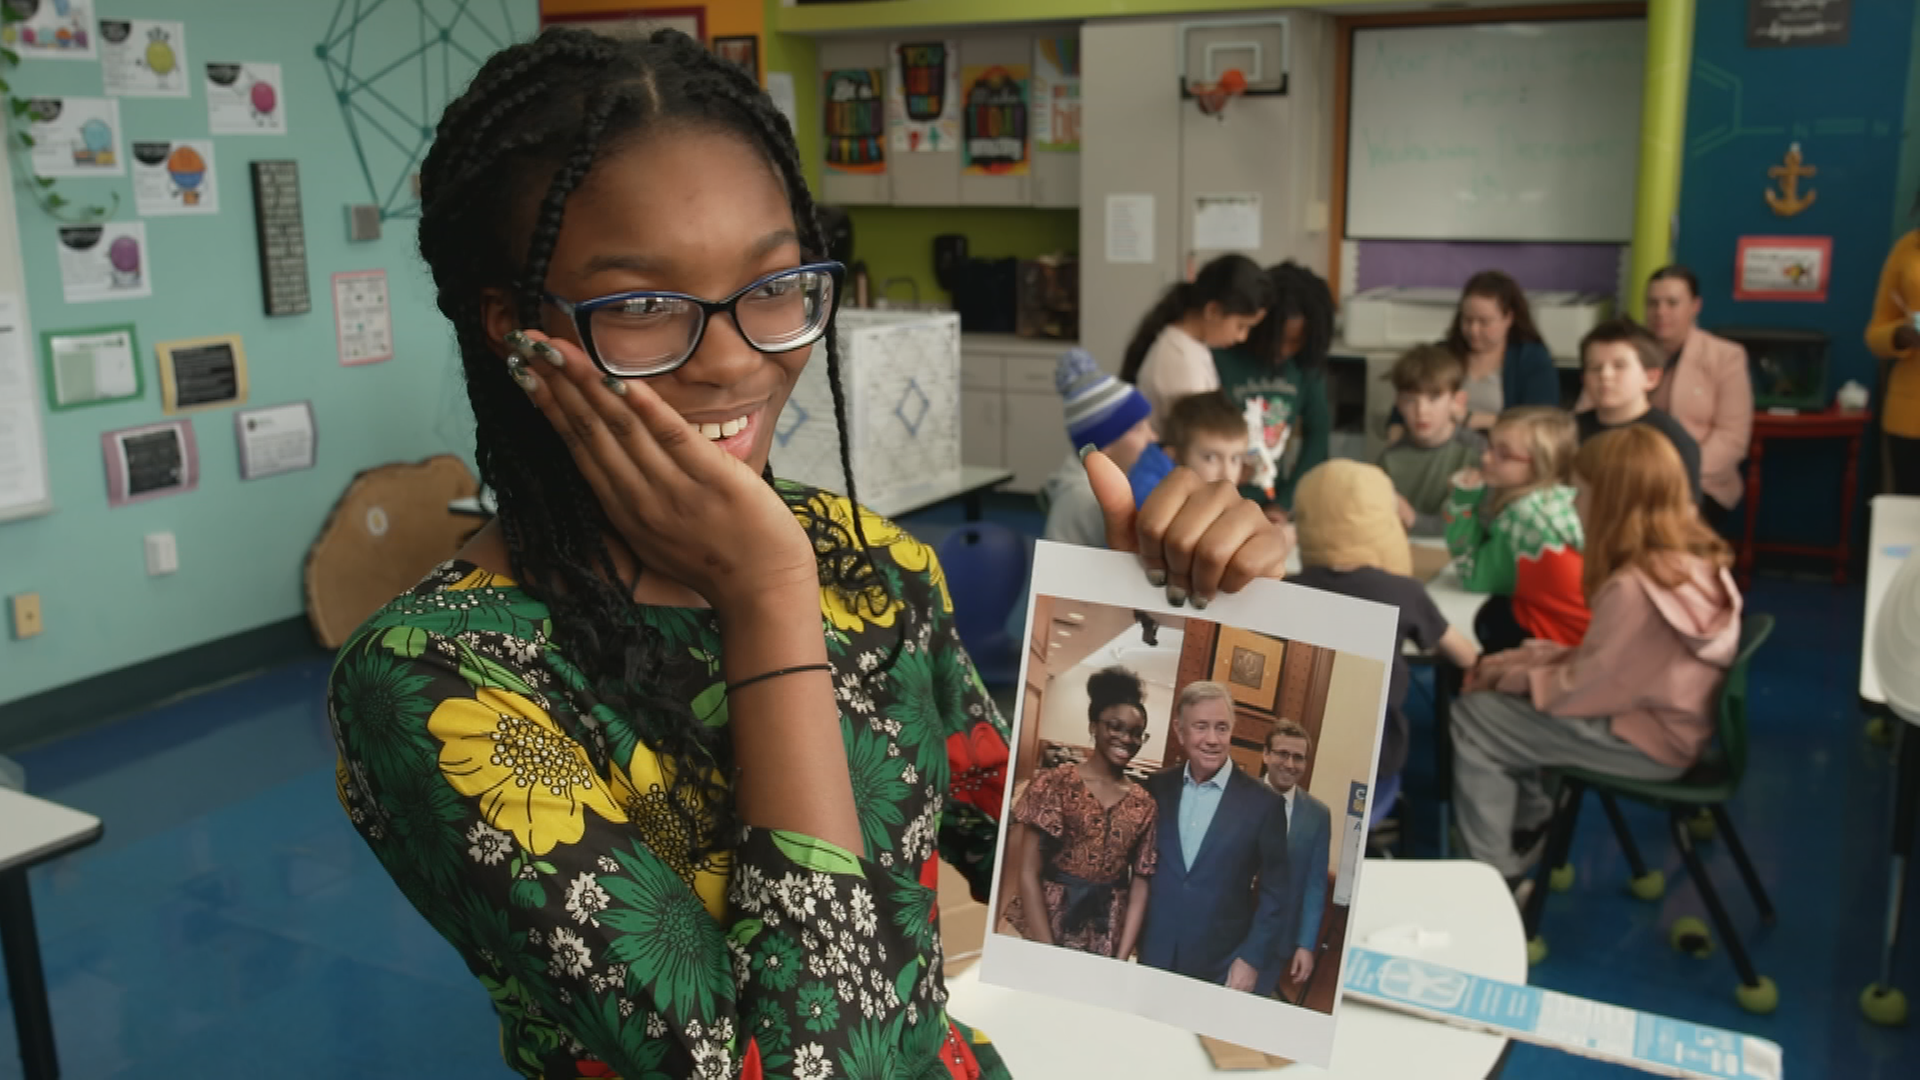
pixel 1407 390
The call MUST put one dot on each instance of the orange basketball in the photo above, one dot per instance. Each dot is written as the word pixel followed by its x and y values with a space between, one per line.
pixel 1232 80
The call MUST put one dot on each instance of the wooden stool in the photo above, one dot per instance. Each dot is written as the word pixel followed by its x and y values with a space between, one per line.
pixel 1831 424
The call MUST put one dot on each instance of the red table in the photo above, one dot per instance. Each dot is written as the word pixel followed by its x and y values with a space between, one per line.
pixel 1831 424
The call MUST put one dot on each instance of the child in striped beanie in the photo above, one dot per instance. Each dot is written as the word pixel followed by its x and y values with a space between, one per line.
pixel 1106 414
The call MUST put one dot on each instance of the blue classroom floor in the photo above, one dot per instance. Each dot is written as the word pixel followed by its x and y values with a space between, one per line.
pixel 231 923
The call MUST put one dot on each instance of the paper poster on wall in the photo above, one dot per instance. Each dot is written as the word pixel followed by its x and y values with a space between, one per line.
pixel 1782 267
pixel 150 461
pixel 92 366
pixel 362 316
pixel 855 121
pixel 1130 228
pixel 24 491
pixel 1227 222
pixel 75 136
pixel 245 98
pixel 202 373
pixel 1791 24
pixel 175 178
pixel 274 440
pixel 104 262
pixel 994 126
pixel 923 97
pixel 144 58
pixel 1056 94
pixel 50 30
pixel 780 89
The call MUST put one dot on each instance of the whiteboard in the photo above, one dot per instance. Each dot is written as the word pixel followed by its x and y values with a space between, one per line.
pixel 1495 131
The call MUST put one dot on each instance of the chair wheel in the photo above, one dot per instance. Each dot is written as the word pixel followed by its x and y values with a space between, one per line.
pixel 1879 730
pixel 1701 825
pixel 1560 878
pixel 1691 936
pixel 1884 1005
pixel 1649 886
pixel 1761 999
pixel 1537 952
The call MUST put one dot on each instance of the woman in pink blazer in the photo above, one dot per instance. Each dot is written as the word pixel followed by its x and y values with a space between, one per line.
pixel 1705 386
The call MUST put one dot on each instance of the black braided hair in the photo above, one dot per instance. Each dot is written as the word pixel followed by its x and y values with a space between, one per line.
pixel 1232 281
pixel 537 118
pixel 1297 293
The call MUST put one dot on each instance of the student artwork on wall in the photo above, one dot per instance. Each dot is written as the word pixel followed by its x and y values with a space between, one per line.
pixel 1056 94
pixel 144 58
pixel 855 124
pixel 245 99
pixel 1782 268
pixel 995 122
pixel 175 178
pixel 104 262
pixel 75 136
pixel 151 461
pixel 62 31
pixel 91 366
pixel 202 373
pixel 362 316
pixel 923 97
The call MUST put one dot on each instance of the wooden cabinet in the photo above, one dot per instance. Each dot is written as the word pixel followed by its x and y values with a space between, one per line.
pixel 1011 415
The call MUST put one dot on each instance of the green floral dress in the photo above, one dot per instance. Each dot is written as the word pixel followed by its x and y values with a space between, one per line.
pixel 529 824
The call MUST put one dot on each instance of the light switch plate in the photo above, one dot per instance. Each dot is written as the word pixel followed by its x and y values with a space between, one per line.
pixel 163 554
pixel 26 616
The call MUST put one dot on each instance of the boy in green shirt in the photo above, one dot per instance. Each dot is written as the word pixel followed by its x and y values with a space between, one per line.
pixel 1427 391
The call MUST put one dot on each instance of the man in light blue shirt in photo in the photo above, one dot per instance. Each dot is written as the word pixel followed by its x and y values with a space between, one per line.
pixel 1219 902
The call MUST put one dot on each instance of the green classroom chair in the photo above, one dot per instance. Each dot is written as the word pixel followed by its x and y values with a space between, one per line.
pixel 1704 789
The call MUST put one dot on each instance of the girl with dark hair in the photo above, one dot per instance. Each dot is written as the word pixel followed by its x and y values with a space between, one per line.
pixel 667 750
pixel 1283 368
pixel 1087 833
pixel 1170 356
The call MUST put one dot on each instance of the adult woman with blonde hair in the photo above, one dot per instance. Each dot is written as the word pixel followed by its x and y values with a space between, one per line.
pixel 1635 697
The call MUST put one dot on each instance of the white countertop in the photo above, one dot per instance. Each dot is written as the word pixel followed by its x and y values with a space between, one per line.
pixel 33 829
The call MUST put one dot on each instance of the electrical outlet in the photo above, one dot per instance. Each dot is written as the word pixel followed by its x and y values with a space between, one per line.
pixel 26 616
pixel 163 556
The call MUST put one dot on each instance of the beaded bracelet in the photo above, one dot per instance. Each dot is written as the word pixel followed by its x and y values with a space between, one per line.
pixel 765 675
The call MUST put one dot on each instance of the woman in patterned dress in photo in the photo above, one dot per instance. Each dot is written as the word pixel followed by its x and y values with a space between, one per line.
pixel 668 751
pixel 1088 847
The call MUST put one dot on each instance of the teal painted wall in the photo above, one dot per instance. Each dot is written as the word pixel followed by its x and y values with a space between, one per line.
pixel 1909 183
pixel 241 544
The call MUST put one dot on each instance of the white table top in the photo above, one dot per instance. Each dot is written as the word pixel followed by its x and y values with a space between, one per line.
pixel 1894 534
pixel 1045 1037
pixel 1453 600
pixel 32 829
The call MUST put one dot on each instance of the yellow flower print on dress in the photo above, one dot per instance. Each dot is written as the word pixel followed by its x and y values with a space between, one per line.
pixel 910 554
pixel 640 791
pixel 532 781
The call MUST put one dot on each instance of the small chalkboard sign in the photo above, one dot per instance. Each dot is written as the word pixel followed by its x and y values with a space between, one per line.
pixel 202 373
pixel 1790 24
pixel 282 237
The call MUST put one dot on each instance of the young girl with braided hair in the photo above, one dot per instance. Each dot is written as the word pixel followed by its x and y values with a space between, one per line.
pixel 668 749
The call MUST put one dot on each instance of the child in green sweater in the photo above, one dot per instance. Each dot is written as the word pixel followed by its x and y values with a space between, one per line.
pixel 1436 443
pixel 1283 369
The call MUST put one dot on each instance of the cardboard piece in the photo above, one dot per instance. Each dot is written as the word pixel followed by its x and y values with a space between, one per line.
pixel 1428 561
pixel 390 527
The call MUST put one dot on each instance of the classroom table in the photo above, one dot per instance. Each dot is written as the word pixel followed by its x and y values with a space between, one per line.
pixel 1893 536
pixel 1467 901
pixel 970 489
pixel 32 831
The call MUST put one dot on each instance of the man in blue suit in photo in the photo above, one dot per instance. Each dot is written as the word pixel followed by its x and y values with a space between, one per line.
pixel 1309 830
pixel 1219 900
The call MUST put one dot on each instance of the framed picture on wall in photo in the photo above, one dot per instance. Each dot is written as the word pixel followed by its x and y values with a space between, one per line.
pixel 1126 702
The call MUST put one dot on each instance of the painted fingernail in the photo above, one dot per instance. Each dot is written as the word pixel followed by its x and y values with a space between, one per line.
pixel 1156 578
pixel 520 343
pixel 550 354
pixel 1200 603
pixel 617 386
pixel 518 369
pixel 1176 596
pixel 1085 450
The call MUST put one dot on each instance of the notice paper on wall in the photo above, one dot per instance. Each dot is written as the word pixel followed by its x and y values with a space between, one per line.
pixel 52 31
pixel 780 89
pixel 175 178
pixel 1229 222
pixel 150 461
pixel 202 373
pixel 75 136
pixel 92 366
pixel 1130 228
pixel 363 316
pixel 104 262
pixel 23 448
pixel 245 99
pixel 274 440
pixel 1593 1029
pixel 144 58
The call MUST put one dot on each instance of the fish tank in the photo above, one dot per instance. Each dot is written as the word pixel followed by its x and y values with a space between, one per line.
pixel 1788 366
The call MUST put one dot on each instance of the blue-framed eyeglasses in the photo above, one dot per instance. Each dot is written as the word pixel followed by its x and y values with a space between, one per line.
pixel 638 334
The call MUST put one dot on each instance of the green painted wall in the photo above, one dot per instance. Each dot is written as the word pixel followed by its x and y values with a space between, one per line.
pixel 897 241
pixel 241 544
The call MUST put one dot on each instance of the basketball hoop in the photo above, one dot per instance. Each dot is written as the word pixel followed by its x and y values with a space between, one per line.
pixel 1213 97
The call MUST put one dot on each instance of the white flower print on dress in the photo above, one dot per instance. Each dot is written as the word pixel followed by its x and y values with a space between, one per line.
pixel 607 865
pixel 586 899
pixel 570 954
pixel 865 917
pixel 810 1063
pixel 656 1026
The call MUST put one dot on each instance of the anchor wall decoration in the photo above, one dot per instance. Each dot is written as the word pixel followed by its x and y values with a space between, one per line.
pixel 1788 201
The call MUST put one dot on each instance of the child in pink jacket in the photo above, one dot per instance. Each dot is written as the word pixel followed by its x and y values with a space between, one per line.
pixel 1636 698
